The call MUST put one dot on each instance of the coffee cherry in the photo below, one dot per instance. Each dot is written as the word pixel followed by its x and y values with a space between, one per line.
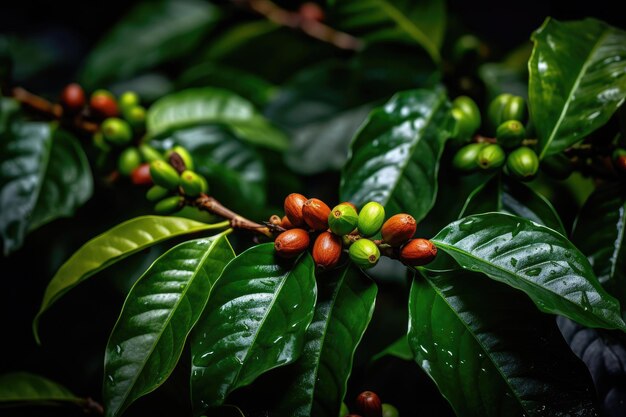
pixel 184 154
pixel 369 405
pixel 293 208
pixel 135 116
pixel 466 158
pixel 371 218
pixel 398 229
pixel 364 253
pixel 156 193
pixel 141 175
pixel 557 166
pixel 192 183
pixel 522 163
pixel 116 131
pixel 149 154
pixel 342 219
pixel 103 105
pixel 491 157
pixel 128 99
pixel 417 252
pixel 291 243
pixel 619 160
pixel 327 250
pixel 390 411
pixel 164 174
pixel 467 116
pixel 510 134
pixel 285 223
pixel 506 107
pixel 129 159
pixel 169 205
pixel 315 214
pixel 73 98
pixel 343 412
pixel 351 205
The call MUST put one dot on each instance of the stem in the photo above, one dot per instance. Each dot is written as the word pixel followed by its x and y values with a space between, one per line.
pixel 312 28
pixel 210 204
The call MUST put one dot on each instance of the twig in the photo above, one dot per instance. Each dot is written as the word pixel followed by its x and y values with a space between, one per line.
pixel 210 204
pixel 311 27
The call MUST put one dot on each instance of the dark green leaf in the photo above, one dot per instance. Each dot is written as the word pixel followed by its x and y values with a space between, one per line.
pixel 395 155
pixel 421 22
pixel 24 387
pixel 317 381
pixel 599 234
pixel 158 314
pixel 513 197
pixel 254 321
pixel 152 33
pixel 400 349
pixel 201 106
pixel 112 246
pixel 577 80
pixel 490 352
pixel 235 171
pixel 534 259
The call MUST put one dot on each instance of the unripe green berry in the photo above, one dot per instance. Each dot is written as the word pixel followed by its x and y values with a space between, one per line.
pixel 364 253
pixel 344 411
pixel 149 154
pixel 128 100
pixel 371 218
pixel 506 107
pixel 169 205
pixel 342 219
pixel 129 159
pixel 557 166
pixel 156 193
pixel 522 163
pixel 116 131
pixel 192 183
pixel 390 411
pixel 164 174
pixel 510 134
pixel 136 116
pixel 463 129
pixel 466 158
pixel 184 154
pixel 469 107
pixel 491 157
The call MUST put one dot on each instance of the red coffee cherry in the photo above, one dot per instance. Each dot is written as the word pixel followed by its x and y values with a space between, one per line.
pixel 73 98
pixel 293 208
pixel 315 213
pixel 103 105
pixel 398 229
pixel 141 175
pixel 327 250
pixel 369 405
pixel 417 252
pixel 291 243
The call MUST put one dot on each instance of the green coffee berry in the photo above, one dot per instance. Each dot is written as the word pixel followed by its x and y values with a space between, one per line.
pixel 192 183
pixel 364 253
pixel 136 116
pixel 128 100
pixel 344 411
pixel 169 205
pixel 371 218
pixel 463 129
pixel 522 163
pixel 129 159
pixel 390 411
pixel 510 134
pixel 466 158
pixel 184 154
pixel 116 131
pixel 149 154
pixel 557 166
pixel 156 193
pixel 342 219
pixel 164 174
pixel 491 157
pixel 100 143
pixel 506 107
pixel 469 107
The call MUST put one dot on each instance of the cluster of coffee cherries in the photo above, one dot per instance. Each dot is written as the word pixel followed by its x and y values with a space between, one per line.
pixel 174 180
pixel 346 227
pixel 368 404
pixel 506 116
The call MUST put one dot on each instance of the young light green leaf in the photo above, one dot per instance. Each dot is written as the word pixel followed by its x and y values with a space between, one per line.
pixel 202 106
pixel 394 158
pixel 599 234
pixel 158 314
pixel 577 80
pixel 112 246
pixel 27 388
pixel 535 259
pixel 254 321
pixel 317 381
pixel 491 352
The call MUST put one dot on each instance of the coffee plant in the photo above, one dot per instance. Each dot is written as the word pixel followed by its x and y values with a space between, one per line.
pixel 257 208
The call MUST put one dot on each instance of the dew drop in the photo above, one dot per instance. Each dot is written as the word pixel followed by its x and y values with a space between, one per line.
pixel 118 349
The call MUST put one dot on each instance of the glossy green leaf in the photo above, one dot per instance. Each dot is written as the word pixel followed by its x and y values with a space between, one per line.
pixel 534 259
pixel 254 321
pixel 490 352
pixel 599 234
pixel 202 106
pixel 152 33
pixel 577 80
pixel 317 381
pixel 234 170
pixel 112 246
pixel 422 22
pixel 394 158
pixel 399 349
pixel 158 314
pixel 24 387
pixel 513 197
pixel 44 175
